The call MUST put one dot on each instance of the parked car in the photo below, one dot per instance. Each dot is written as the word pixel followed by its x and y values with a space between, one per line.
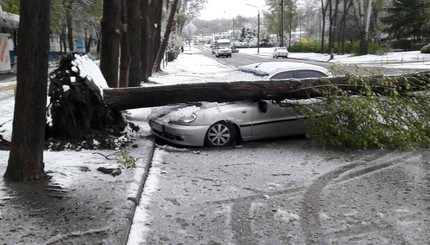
pixel 280 52
pixel 223 124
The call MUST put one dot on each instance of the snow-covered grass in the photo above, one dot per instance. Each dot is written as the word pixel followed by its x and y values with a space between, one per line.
pixel 404 60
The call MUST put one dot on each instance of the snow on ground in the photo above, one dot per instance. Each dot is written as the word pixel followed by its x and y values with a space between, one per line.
pixel 405 60
pixel 191 67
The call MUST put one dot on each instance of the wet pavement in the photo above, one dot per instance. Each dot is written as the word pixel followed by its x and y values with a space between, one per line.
pixel 285 192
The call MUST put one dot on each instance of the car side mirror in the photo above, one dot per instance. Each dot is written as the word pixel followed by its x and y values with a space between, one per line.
pixel 262 106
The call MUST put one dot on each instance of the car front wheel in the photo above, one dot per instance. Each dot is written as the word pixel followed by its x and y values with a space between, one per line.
pixel 221 134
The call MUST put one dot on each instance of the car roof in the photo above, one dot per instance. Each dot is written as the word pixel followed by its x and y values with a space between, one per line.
pixel 272 68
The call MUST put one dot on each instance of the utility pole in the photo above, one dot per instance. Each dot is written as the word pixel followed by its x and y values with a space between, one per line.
pixel 258 32
pixel 282 23
pixel 258 27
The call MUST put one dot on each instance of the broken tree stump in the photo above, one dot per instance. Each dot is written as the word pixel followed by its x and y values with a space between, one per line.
pixel 77 108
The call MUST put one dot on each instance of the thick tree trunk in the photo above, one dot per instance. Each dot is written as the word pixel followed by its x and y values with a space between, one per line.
pixel 26 153
pixel 122 99
pixel 155 43
pixel 111 31
pixel 134 21
pixel 145 39
pixel 125 59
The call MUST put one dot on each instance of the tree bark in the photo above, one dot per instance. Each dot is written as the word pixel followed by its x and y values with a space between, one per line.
pixel 134 20
pixel 130 98
pixel 154 47
pixel 145 39
pixel 26 153
pixel 69 21
pixel 111 31
pixel 125 59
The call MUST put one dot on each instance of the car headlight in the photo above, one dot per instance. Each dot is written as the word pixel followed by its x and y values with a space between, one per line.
pixel 186 119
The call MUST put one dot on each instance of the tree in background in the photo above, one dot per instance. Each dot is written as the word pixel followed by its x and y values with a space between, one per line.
pixel 188 10
pixel 72 19
pixel 275 15
pixel 28 134
pixel 169 28
pixel 408 18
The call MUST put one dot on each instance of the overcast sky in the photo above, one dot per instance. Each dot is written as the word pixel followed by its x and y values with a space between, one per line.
pixel 217 9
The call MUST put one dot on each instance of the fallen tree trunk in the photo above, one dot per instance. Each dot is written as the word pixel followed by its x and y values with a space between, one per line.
pixel 83 107
pixel 130 98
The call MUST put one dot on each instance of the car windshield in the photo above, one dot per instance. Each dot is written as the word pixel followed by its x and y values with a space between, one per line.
pixel 224 45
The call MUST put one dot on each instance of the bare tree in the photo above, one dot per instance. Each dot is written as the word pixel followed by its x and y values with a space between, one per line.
pixel 324 7
pixel 26 153
pixel 169 28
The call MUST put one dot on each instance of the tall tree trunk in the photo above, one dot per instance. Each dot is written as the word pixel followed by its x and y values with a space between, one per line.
pixel 134 20
pixel 323 13
pixel 169 28
pixel 364 38
pixel 155 43
pixel 69 21
pixel 145 39
pixel 26 153
pixel 111 31
pixel 125 51
pixel 333 28
pixel 88 44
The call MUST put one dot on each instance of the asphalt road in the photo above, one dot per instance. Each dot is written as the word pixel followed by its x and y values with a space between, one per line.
pixel 240 59
pixel 286 191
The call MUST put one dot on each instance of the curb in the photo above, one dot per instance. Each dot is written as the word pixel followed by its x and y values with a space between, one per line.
pixel 141 175
pixel 8 86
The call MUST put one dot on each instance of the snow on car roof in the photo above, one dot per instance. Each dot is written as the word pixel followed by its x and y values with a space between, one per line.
pixel 271 68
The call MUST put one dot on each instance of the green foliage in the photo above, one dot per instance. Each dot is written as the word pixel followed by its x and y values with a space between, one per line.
pixel 11 6
pixel 312 46
pixel 349 48
pixel 426 49
pixel 126 160
pixel 407 18
pixel 382 117
pixel 272 17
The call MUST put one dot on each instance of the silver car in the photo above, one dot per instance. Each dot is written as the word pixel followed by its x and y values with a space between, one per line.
pixel 223 124
pixel 280 52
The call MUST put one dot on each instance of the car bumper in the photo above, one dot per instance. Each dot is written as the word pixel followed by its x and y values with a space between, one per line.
pixel 180 134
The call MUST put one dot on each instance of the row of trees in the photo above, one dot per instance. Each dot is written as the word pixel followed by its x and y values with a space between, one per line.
pixel 348 20
pixel 335 22
pixel 132 46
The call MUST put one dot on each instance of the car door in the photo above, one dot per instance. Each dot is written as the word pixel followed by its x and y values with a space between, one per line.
pixel 276 120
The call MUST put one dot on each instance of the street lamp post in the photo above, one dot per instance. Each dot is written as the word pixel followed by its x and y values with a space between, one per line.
pixel 258 27
pixel 282 23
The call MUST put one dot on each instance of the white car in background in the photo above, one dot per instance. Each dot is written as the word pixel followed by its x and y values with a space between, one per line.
pixel 280 52
pixel 223 124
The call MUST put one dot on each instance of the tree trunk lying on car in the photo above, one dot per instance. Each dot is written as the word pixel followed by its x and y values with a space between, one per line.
pixel 129 98
pixel 81 104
